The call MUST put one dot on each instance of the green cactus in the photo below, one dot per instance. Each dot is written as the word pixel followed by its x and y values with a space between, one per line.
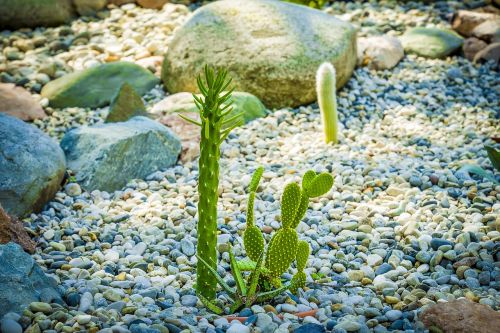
pixel 214 107
pixel 253 238
pixel 327 100
pixel 258 282
pixel 299 279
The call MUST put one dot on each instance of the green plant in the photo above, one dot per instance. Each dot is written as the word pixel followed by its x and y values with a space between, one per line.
pixel 494 156
pixel 215 108
pixel 263 281
pixel 311 3
pixel 327 100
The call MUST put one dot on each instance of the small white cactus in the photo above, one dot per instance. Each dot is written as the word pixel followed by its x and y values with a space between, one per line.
pixel 327 100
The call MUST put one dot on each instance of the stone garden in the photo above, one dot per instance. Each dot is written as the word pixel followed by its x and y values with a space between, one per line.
pixel 249 166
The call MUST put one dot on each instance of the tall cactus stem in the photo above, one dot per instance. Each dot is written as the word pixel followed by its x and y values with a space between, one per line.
pixel 327 100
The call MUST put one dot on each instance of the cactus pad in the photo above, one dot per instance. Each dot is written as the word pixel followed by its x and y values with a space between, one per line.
pixel 254 183
pixel 254 242
pixel 289 204
pixel 303 251
pixel 298 281
pixel 321 184
pixel 282 252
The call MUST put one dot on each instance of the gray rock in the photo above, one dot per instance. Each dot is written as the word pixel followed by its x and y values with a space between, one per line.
pixel 23 281
pixel 187 247
pixel 33 13
pixel 272 49
pixel 32 166
pixel 89 7
pixel 126 104
pixel 380 52
pixel 107 156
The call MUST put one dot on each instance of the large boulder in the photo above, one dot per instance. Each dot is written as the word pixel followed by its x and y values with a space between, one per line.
pixel 461 316
pixel 15 14
pixel 97 86
pixel 272 49
pixel 23 281
pixel 431 42
pixel 32 166
pixel 12 230
pixel 19 103
pixel 106 157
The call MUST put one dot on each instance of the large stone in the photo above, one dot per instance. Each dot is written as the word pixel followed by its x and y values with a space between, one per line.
pixel 380 52
pixel 23 281
pixel 464 21
pixel 15 14
pixel 97 86
pixel 12 230
pixel 19 103
pixel 431 42
pixel 272 49
pixel 89 7
pixel 245 103
pixel 461 316
pixel 32 166
pixel 106 157
pixel 127 104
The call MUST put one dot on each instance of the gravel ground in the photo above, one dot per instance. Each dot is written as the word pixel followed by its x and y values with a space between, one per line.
pixel 394 234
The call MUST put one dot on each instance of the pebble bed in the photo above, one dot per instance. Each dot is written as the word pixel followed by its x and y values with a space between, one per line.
pixel 403 227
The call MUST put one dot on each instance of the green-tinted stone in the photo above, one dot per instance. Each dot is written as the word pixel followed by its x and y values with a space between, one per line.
pixel 126 104
pixel 96 86
pixel 431 42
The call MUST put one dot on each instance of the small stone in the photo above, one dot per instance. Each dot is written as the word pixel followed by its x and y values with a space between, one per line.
pixel 189 300
pixel 187 247
pixel 83 319
pixel 393 315
pixel 40 307
pixel 73 189
pixel 112 295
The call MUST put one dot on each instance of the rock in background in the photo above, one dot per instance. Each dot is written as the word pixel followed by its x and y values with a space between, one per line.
pixel 12 230
pixel 23 281
pixel 272 49
pixel 127 104
pixel 431 42
pixel 32 165
pixel 98 85
pixel 15 14
pixel 380 52
pixel 17 102
pixel 106 157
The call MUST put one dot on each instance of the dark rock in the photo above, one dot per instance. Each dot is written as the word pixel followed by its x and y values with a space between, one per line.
pixel 23 281
pixel 32 165
pixel 310 328
pixel 17 14
pixel 437 242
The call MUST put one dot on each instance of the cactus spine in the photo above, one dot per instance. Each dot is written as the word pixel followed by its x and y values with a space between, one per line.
pixel 327 100
pixel 213 116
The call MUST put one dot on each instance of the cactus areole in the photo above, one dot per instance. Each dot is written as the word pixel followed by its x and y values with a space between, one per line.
pixel 214 129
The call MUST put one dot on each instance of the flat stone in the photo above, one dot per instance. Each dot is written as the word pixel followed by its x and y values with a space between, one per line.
pixel 431 42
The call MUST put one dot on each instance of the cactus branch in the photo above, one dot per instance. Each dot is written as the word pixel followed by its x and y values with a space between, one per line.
pixel 327 100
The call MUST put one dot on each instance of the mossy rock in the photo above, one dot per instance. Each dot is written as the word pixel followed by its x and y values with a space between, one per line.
pixel 271 49
pixel 431 42
pixel 97 86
